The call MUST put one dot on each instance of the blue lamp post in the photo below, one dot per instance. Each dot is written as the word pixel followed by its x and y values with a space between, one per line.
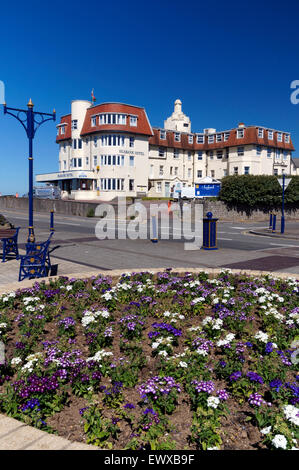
pixel 30 120
pixel 282 207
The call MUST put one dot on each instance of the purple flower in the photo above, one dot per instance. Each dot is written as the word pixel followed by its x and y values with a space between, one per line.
pixel 254 377
pixel 256 399
pixel 235 376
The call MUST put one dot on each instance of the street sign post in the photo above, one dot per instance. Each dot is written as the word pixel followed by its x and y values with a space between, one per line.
pixel 284 184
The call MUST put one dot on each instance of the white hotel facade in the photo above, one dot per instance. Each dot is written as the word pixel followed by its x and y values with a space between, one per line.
pixel 111 150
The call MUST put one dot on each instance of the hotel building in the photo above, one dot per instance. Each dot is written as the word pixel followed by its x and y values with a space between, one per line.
pixel 111 150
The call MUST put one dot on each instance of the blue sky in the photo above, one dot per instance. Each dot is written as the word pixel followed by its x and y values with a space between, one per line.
pixel 228 62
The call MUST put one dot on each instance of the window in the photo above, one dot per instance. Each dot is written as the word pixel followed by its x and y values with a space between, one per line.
pixel 176 170
pixel 86 161
pixel 246 170
pixel 261 133
pixel 200 139
pixel 131 141
pixel 226 136
pixel 258 150
pixel 95 141
pixel 227 153
pixel 74 143
pixel 218 137
pixel 161 152
pixel 93 121
pixel 62 130
pixel 79 144
pixel 74 124
pixel 64 147
pixel 285 155
pixel 79 162
pixel 219 154
pixel 159 187
pixel 189 156
pixel 287 139
pixel 210 139
pixel 131 161
pixel 276 171
pixel 270 135
pixel 240 151
pixel 95 160
pixel 189 172
pixel 133 120
pixel 277 154
pixel 240 133
pixel 199 155
pixel 170 170
pixel 224 172
pixel 190 139
pixel 64 164
pixel 162 135
pixel 211 154
pixel 213 173
pixel 112 118
pixel 269 152
pixel 176 153
pixel 279 137
pixel 131 185
pixel 199 173
pixel 161 170
pixel 177 137
pixel 235 170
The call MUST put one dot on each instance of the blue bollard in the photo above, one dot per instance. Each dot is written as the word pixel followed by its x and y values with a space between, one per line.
pixel 155 233
pixel 209 232
pixel 271 221
pixel 52 221
pixel 274 224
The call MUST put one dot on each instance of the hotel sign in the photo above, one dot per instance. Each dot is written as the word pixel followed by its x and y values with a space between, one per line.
pixel 130 152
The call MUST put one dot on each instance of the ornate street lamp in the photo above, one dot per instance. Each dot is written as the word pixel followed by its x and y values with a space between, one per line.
pixel 30 120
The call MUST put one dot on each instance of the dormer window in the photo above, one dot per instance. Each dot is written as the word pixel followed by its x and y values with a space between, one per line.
pixel 211 139
pixel 270 135
pixel 218 137
pixel 133 121
pixel 177 137
pixel 287 139
pixel 279 137
pixel 162 135
pixel 226 136
pixel 200 139
pixel 261 133
pixel 240 133
pixel 93 121
pixel 62 130
pixel 190 139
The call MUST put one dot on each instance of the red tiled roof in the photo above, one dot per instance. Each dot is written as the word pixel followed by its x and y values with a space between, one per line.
pixel 67 119
pixel 250 137
pixel 143 125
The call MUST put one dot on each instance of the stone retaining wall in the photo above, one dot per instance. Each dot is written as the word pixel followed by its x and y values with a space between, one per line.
pixel 77 208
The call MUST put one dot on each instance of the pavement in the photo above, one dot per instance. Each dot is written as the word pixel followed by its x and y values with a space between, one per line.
pixel 76 252
pixel 290 233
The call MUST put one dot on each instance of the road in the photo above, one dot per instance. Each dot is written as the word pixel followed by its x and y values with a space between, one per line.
pixel 75 241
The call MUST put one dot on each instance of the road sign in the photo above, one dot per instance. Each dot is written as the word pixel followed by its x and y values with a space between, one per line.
pixel 286 182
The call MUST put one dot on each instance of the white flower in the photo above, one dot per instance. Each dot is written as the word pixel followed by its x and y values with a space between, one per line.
pixel 15 361
pixel 3 326
pixel 262 336
pixel 266 430
pixel 279 441
pixel 69 288
pixel 163 353
pixel 292 414
pixel 183 364
pixel 213 402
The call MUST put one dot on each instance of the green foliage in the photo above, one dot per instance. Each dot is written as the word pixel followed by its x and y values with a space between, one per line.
pixel 258 192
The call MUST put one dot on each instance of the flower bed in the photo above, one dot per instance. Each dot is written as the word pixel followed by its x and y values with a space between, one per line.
pixel 155 361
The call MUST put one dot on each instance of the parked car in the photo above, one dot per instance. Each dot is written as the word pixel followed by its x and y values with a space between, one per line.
pixel 46 192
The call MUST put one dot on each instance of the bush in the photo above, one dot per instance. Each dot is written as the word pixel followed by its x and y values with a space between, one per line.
pixel 90 212
pixel 258 192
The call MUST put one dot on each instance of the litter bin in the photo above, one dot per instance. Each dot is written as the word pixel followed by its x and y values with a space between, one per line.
pixel 209 232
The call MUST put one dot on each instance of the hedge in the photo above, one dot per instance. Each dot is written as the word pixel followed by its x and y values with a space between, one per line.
pixel 258 192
